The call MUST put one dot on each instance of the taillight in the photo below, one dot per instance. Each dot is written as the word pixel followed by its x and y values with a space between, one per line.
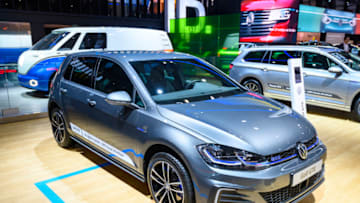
pixel 231 66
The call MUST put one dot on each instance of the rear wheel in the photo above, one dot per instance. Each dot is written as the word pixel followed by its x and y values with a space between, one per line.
pixel 356 110
pixel 253 85
pixel 61 136
pixel 168 180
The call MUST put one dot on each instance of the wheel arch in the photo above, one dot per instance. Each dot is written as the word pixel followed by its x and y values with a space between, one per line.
pixel 52 105
pixel 355 98
pixel 155 148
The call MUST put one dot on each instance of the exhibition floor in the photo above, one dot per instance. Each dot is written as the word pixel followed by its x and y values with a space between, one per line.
pixel 33 167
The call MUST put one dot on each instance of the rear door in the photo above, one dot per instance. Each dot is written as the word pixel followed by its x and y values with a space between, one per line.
pixel 75 88
pixel 277 73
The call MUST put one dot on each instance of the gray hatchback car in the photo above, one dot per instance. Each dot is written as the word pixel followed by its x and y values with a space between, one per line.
pixel 331 76
pixel 185 128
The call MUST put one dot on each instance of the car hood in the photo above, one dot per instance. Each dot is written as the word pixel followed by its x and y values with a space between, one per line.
pixel 247 121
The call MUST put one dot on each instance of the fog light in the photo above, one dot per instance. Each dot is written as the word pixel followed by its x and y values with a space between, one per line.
pixel 33 83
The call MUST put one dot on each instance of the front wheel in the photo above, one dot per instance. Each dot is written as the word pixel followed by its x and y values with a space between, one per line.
pixel 253 85
pixel 168 180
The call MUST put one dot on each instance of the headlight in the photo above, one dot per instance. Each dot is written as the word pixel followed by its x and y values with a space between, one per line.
pixel 224 156
pixel 352 22
pixel 280 14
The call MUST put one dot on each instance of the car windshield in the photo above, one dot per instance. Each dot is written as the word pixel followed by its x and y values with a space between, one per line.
pixel 349 59
pixel 183 81
pixel 49 41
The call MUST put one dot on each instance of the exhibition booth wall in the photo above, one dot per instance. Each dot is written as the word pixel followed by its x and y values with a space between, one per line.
pixel 216 38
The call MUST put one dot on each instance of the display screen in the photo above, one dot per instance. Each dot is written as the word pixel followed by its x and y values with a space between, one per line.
pixel 297 75
pixel 269 21
pixel 316 19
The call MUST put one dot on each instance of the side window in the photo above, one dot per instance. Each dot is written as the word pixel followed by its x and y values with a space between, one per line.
pixel 82 70
pixel 70 43
pixel 94 41
pixel 110 78
pixel 281 57
pixel 333 63
pixel 254 56
pixel 316 61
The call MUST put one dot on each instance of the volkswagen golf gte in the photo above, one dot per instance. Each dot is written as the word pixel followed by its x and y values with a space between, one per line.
pixel 185 128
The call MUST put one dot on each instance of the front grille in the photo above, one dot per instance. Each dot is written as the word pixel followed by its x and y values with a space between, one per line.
pixel 287 193
pixel 291 153
pixel 227 196
pixel 260 27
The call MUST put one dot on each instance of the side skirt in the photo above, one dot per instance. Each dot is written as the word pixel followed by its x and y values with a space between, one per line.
pixel 109 159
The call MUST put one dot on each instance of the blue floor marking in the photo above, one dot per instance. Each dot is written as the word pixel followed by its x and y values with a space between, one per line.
pixel 51 195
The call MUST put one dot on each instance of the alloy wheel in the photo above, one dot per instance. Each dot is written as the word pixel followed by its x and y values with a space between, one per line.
pixel 58 127
pixel 252 86
pixel 166 184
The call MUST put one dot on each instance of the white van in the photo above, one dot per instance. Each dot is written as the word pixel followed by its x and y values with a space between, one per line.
pixel 38 65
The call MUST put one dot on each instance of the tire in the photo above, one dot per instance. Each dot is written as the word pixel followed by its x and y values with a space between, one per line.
pixel 253 85
pixel 356 110
pixel 181 189
pixel 58 127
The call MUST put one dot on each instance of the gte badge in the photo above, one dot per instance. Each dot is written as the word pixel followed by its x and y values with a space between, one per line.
pixel 297 89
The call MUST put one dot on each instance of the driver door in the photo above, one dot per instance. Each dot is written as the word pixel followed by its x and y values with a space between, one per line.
pixel 115 128
pixel 323 87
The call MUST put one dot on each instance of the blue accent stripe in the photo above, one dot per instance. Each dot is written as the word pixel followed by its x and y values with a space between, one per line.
pixel 51 195
pixel 288 54
pixel 198 190
pixel 133 151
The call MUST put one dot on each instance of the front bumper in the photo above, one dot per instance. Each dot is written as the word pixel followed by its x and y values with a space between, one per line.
pixel 33 82
pixel 269 185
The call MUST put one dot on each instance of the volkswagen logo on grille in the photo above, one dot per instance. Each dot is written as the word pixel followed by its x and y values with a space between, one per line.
pixel 302 151
pixel 250 18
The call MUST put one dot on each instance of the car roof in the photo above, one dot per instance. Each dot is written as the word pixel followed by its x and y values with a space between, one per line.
pixel 137 55
pixel 106 29
pixel 295 48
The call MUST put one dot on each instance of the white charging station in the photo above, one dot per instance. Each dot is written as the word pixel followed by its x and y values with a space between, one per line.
pixel 297 88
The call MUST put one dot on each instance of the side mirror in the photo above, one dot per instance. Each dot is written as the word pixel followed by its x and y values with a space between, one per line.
pixel 120 98
pixel 335 69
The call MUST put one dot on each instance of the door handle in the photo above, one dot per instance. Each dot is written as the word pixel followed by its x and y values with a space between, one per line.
pixel 63 90
pixel 265 69
pixel 91 103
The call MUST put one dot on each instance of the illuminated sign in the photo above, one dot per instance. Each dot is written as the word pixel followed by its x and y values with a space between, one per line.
pixel 181 6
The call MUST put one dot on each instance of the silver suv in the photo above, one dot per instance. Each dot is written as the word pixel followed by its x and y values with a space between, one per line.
pixel 332 77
